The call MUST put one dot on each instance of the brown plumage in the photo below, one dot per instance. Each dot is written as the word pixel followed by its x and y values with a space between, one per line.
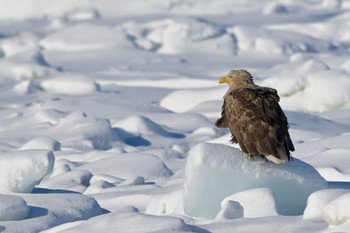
pixel 255 118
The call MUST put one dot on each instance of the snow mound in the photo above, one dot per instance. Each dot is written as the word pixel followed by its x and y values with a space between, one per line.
pixel 129 166
pixel 228 171
pixel 42 143
pixel 274 42
pixel 70 84
pixel 169 203
pixel 20 171
pixel 185 100
pixel 255 202
pixel 230 210
pixel 275 8
pixel 76 180
pixel 17 45
pixel 143 125
pixel 26 65
pixel 78 15
pixel 79 38
pixel 190 36
pixel 12 208
pixel 319 199
pixel 78 129
pixel 51 209
pixel 129 222
pixel 337 212
pixel 322 91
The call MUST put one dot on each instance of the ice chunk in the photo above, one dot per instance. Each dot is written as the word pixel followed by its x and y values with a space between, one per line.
pixel 319 199
pixel 215 171
pixel 256 202
pixel 337 212
pixel 20 171
pixel 12 208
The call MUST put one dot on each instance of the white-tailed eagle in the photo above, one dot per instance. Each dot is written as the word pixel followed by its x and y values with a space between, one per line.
pixel 255 119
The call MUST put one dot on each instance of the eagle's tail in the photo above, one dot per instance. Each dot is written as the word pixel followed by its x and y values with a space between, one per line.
pixel 281 155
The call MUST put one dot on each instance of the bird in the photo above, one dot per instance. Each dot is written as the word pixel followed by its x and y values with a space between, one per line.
pixel 255 118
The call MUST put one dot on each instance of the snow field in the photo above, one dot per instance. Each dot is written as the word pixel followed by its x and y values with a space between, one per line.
pixel 125 97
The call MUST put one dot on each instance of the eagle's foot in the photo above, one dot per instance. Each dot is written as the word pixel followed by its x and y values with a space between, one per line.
pixel 250 157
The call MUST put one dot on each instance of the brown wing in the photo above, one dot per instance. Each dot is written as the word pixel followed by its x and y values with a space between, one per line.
pixel 257 120
pixel 222 122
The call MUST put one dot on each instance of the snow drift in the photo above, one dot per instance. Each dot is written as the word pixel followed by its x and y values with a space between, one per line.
pixel 12 208
pixel 20 171
pixel 215 171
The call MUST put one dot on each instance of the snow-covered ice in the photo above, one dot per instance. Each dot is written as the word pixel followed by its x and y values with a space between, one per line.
pixel 227 170
pixel 107 109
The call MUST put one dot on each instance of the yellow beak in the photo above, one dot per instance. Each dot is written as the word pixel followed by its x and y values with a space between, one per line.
pixel 224 79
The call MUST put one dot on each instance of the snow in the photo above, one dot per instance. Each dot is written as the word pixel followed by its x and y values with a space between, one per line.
pixel 42 143
pixel 130 165
pixel 51 209
pixel 104 103
pixel 230 210
pixel 22 170
pixel 336 212
pixel 317 202
pixel 13 208
pixel 73 39
pixel 219 167
pixel 255 203
pixel 70 85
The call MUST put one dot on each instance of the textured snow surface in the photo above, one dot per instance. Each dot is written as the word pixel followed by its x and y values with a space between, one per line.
pixel 104 103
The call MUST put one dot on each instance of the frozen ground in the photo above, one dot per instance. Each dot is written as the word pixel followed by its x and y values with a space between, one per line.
pixel 107 111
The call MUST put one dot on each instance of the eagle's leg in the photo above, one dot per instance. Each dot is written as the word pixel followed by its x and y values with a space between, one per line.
pixel 233 138
pixel 252 157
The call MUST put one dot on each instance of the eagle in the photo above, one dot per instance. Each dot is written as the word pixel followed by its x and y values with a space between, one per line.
pixel 255 118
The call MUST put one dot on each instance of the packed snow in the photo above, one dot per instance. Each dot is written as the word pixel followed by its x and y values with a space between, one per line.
pixel 108 110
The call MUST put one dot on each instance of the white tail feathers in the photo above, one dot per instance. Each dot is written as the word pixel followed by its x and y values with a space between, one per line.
pixel 283 157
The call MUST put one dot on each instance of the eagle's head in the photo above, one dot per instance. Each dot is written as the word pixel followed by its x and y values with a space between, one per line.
pixel 237 78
